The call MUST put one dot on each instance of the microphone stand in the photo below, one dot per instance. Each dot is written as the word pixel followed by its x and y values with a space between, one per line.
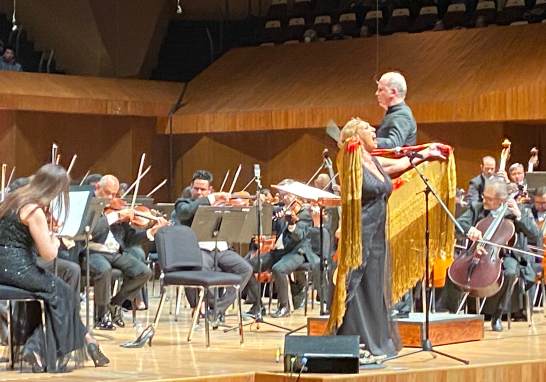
pixel 425 343
pixel 258 319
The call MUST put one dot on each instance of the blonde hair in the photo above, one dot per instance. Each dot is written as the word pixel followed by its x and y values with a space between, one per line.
pixel 349 164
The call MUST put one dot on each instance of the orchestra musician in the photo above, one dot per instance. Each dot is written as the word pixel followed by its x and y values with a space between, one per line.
pixel 292 249
pixel 111 237
pixel 515 264
pixel 359 306
pixel 227 260
pixel 24 233
pixel 477 184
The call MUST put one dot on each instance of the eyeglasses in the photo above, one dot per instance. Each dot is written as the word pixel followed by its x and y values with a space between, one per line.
pixel 488 199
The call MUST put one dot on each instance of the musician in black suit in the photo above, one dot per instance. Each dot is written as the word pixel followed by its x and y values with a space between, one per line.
pixel 514 264
pixel 477 184
pixel 111 237
pixel 292 249
pixel 227 260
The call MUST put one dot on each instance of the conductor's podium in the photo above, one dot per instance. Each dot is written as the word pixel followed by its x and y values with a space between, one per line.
pixel 444 329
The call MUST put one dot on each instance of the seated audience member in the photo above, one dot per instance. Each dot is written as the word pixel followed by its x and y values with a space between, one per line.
pixel 337 33
pixel 310 36
pixel 8 61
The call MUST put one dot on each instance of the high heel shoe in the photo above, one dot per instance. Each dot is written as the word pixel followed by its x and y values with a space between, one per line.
pixel 96 354
pixel 31 359
pixel 146 336
pixel 62 364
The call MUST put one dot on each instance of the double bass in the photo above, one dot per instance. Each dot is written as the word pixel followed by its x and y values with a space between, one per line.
pixel 478 271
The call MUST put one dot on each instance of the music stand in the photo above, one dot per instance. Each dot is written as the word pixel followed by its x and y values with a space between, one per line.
pixel 228 224
pixel 323 199
pixel 85 210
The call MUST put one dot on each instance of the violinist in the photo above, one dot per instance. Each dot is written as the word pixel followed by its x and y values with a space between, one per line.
pixel 539 214
pixel 477 184
pixel 111 238
pixel 514 264
pixel 292 249
pixel 516 175
pixel 228 261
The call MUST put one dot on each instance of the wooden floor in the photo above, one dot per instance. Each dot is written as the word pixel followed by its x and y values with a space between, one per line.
pixel 515 355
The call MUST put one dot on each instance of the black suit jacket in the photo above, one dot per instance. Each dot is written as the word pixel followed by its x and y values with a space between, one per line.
pixel 185 209
pixel 475 188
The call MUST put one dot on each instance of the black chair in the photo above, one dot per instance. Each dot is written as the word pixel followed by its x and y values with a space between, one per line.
pixel 10 295
pixel 182 265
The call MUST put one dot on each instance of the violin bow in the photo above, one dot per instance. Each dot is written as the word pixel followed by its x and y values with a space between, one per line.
pixel 248 184
pixel 4 168
pixel 134 183
pixel 84 177
pixel 157 188
pixel 54 156
pixel 330 182
pixel 71 164
pixel 10 177
pixel 224 182
pixel 235 179
pixel 142 158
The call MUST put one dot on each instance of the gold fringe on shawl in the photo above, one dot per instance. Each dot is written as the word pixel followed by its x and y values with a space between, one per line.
pixel 349 163
pixel 406 210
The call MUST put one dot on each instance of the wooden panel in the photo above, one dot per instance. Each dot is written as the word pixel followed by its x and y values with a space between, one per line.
pixel 74 94
pixel 304 85
pixel 441 333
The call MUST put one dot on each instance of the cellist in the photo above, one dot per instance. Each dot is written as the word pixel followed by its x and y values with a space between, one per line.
pixel 515 265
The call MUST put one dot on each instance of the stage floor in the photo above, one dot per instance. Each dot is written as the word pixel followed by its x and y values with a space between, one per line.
pixel 515 355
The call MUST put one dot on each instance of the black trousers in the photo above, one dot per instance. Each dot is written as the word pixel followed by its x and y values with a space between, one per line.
pixel 280 268
pixel 135 275
pixel 230 262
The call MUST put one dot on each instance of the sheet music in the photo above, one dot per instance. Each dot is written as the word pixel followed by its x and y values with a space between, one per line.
pixel 78 205
pixel 306 192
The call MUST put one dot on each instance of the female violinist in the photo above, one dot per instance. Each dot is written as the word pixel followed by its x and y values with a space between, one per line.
pixel 24 233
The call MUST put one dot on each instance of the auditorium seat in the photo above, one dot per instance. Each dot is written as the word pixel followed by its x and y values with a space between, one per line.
pixel 398 22
pixel 301 8
pixel 426 20
pixel 513 11
pixel 296 28
pixel 323 26
pixel 277 10
pixel 454 16
pixel 347 5
pixel 272 33
pixel 487 10
pixel 373 20
pixel 324 7
pixel 349 24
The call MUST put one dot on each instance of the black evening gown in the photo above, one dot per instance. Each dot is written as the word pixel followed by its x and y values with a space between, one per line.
pixel 64 328
pixel 366 314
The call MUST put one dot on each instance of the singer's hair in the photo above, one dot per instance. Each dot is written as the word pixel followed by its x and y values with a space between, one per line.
pixel 202 174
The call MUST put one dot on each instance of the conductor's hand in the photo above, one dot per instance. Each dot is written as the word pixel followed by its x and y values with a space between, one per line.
pixel 514 208
pixel 474 234
pixel 221 196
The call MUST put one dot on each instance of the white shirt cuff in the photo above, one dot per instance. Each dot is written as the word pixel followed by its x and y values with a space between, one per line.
pixel 291 228
pixel 112 217
pixel 211 199
pixel 149 234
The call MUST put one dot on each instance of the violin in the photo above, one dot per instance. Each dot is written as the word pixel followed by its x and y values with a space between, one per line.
pixel 478 271
pixel 142 215
pixel 266 245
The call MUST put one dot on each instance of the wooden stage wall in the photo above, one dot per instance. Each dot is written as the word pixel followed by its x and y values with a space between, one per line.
pixel 113 144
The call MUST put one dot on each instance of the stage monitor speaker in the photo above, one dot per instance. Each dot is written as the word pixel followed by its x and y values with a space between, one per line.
pixel 324 354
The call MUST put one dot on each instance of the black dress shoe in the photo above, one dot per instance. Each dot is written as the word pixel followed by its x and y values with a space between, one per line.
pixel 253 311
pixel 496 324
pixel 282 312
pixel 105 323
pixel 117 316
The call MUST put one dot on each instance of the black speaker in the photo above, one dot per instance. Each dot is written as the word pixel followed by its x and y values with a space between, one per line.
pixel 324 354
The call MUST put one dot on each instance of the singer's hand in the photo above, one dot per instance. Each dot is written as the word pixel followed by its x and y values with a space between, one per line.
pixel 432 152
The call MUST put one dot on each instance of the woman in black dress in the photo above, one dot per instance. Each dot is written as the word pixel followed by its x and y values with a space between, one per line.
pixel 359 306
pixel 24 234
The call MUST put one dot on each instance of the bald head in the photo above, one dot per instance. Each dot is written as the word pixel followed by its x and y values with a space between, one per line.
pixel 107 187
pixel 391 89
pixel 322 181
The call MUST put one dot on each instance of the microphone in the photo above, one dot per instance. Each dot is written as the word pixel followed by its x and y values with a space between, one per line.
pixel 257 172
pixel 410 154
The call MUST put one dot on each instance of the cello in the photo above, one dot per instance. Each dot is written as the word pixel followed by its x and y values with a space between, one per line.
pixel 478 271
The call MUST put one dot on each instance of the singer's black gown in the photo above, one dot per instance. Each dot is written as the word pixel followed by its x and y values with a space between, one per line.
pixel 64 328
pixel 366 314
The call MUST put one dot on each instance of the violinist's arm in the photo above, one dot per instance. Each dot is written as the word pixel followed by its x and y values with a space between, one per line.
pixel 526 225
pixel 302 227
pixel 33 217
pixel 186 208
pixel 469 218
